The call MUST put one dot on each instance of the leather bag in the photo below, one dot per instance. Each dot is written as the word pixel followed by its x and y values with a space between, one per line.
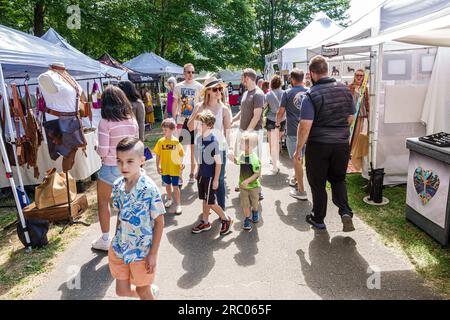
pixel 53 190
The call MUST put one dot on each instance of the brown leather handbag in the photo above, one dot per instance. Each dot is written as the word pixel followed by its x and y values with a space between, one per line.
pixel 53 190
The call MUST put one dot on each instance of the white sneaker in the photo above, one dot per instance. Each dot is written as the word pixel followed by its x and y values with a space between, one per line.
pixel 178 210
pixel 155 291
pixel 101 244
pixel 168 203
pixel 298 195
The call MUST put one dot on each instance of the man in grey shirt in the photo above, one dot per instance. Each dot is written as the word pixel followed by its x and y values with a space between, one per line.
pixel 250 115
pixel 290 104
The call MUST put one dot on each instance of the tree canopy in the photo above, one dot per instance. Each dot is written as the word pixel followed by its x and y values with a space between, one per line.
pixel 212 34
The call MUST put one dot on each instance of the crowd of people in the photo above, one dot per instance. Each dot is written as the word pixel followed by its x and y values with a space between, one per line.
pixel 314 121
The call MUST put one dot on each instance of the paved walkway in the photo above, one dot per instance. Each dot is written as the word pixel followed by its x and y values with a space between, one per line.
pixel 283 258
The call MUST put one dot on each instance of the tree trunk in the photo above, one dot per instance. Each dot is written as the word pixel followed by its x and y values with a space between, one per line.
pixel 39 11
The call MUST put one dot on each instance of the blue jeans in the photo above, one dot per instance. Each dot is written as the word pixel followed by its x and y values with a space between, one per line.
pixel 221 191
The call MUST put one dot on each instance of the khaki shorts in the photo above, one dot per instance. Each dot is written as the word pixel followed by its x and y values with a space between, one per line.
pixel 134 272
pixel 250 198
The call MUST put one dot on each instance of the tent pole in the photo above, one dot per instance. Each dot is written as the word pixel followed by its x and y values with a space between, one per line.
pixel 9 173
pixel 374 104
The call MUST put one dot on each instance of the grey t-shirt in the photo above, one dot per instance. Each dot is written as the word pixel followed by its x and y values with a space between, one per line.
pixel 273 100
pixel 251 100
pixel 292 108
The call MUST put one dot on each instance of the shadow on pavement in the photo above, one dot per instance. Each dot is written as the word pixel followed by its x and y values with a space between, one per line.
pixel 296 213
pixel 198 251
pixel 94 282
pixel 336 270
pixel 246 242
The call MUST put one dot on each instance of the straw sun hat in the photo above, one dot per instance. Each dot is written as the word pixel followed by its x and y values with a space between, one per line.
pixel 211 83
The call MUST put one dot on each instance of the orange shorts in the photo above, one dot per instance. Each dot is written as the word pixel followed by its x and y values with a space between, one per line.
pixel 135 272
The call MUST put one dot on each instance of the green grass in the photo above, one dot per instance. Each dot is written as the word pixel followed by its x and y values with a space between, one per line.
pixel 430 259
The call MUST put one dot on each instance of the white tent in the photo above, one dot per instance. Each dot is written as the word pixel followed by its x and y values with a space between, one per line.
pixel 54 37
pixel 295 51
pixel 405 88
pixel 151 63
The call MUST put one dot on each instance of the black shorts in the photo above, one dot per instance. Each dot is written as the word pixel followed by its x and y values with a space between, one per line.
pixel 206 191
pixel 184 133
pixel 270 125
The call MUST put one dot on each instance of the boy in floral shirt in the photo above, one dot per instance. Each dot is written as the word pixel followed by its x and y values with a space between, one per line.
pixel 140 222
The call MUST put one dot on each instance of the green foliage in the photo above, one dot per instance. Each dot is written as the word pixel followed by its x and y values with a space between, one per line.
pixel 212 34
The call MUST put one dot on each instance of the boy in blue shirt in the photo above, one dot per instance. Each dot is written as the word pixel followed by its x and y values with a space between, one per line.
pixel 208 174
pixel 140 223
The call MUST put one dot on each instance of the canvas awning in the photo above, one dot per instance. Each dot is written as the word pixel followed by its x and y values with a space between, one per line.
pixel 151 63
pixel 23 55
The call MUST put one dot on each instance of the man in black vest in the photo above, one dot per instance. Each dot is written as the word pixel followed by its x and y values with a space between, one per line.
pixel 327 112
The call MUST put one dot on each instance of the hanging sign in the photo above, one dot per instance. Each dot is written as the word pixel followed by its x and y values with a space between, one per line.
pixel 329 52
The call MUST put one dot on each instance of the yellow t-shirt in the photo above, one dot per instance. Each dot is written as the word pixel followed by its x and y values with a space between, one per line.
pixel 170 152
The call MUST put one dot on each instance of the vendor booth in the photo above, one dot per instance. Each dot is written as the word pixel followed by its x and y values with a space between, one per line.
pixel 22 57
pixel 294 53
pixel 401 78
pixel 151 63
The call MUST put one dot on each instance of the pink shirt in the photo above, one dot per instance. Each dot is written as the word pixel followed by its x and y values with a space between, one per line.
pixel 109 135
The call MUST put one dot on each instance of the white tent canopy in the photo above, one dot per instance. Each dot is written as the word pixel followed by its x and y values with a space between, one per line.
pixel 321 27
pixel 54 37
pixel 151 63
pixel 22 54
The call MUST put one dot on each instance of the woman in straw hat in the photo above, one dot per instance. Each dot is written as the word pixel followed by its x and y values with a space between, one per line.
pixel 212 100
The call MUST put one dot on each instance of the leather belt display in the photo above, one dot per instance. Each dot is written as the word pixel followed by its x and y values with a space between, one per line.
pixel 61 114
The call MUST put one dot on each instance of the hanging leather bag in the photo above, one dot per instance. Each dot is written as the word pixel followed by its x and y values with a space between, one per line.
pixel 53 190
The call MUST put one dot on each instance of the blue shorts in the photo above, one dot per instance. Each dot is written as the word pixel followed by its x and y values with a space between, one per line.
pixel 291 144
pixel 109 174
pixel 175 181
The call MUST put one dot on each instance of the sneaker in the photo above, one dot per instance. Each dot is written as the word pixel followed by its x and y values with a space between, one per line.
pixel 261 196
pixel 168 203
pixel 191 179
pixel 226 226
pixel 293 183
pixel 101 244
pixel 274 172
pixel 347 221
pixel 202 226
pixel 247 224
pixel 255 216
pixel 155 291
pixel 178 210
pixel 303 196
pixel 320 226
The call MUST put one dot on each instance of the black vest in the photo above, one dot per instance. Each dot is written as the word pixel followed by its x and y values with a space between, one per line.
pixel 333 104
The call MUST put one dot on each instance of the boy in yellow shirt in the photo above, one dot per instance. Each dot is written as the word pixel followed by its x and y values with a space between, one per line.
pixel 169 162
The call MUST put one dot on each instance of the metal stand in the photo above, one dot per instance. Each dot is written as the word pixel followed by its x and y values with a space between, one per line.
pixel 69 208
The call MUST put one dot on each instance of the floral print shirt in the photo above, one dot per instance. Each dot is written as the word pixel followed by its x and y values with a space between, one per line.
pixel 137 211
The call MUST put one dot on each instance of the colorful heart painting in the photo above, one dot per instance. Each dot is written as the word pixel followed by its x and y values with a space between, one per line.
pixel 426 183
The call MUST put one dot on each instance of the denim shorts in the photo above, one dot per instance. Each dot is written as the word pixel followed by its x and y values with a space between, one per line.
pixel 174 181
pixel 291 144
pixel 109 174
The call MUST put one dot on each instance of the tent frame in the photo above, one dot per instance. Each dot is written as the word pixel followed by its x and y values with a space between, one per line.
pixel 9 173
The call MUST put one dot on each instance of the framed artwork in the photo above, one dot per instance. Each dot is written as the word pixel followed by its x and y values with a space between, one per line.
pixel 349 68
pixel 426 63
pixel 397 67
pixel 335 70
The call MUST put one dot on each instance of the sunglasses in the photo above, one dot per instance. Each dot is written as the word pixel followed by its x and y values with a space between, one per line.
pixel 217 89
pixel 189 72
pixel 359 75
